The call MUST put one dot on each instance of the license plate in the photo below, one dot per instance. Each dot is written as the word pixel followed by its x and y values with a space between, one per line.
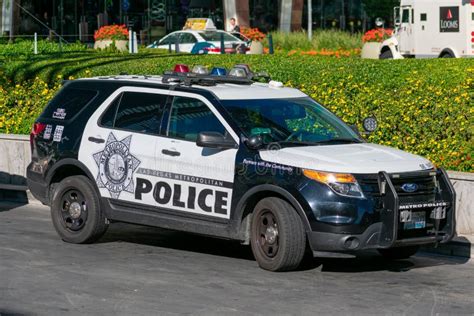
pixel 418 221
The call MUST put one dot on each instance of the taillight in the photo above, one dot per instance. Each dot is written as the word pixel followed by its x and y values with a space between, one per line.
pixel 37 129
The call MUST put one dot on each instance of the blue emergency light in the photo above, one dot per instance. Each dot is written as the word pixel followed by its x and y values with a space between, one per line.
pixel 218 71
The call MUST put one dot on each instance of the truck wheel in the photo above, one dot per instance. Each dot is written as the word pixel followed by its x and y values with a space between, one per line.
pixel 386 54
pixel 278 238
pixel 75 211
pixel 447 55
pixel 399 252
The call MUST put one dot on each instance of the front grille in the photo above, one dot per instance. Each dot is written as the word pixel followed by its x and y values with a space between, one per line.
pixel 426 187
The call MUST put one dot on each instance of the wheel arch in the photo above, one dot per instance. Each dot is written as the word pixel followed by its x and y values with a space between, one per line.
pixel 68 167
pixel 448 50
pixel 249 200
pixel 384 49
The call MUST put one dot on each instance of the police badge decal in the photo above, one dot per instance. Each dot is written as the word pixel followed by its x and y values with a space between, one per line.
pixel 116 166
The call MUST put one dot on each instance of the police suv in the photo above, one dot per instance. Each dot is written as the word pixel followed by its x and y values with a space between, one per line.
pixel 222 155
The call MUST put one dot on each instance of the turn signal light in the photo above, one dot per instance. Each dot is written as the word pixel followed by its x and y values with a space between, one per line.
pixel 327 177
pixel 341 183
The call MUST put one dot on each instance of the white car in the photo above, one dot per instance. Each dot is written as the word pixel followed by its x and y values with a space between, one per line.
pixel 187 39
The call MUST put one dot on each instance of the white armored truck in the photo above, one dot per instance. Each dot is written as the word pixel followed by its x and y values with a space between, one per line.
pixel 431 29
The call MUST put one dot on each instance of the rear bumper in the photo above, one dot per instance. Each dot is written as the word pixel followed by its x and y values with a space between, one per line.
pixel 39 189
pixel 388 232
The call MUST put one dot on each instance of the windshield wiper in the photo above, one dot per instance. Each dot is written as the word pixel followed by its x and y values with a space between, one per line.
pixel 339 140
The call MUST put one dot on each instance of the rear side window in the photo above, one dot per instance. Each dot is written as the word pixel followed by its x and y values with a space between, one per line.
pixel 216 37
pixel 135 111
pixel 68 102
pixel 191 116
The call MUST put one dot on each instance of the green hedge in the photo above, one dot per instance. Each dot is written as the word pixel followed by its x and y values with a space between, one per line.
pixel 423 106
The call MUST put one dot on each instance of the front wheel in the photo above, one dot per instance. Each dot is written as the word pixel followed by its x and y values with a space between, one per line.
pixel 278 238
pixel 399 252
pixel 386 54
pixel 75 211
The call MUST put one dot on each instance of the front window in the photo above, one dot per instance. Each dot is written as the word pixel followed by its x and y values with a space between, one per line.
pixel 290 122
pixel 191 116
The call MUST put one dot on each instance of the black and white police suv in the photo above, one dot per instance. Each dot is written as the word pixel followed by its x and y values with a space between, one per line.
pixel 222 155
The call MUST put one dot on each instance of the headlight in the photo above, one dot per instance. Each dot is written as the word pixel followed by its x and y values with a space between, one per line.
pixel 341 183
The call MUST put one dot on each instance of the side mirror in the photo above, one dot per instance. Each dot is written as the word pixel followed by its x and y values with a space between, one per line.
pixel 355 129
pixel 397 22
pixel 215 140
pixel 255 141
pixel 370 124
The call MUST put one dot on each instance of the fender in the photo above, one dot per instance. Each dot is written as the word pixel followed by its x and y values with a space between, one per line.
pixel 449 50
pixel 240 207
pixel 392 44
pixel 70 162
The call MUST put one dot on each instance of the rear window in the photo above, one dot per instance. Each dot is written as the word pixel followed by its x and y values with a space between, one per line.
pixel 68 102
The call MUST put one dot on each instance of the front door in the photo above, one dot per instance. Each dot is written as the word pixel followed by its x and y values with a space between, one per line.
pixel 405 34
pixel 191 178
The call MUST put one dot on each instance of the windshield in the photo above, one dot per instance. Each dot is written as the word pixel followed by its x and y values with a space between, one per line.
pixel 216 37
pixel 294 121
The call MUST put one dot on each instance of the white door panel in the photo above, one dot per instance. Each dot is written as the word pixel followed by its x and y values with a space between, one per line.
pixel 204 176
pixel 114 156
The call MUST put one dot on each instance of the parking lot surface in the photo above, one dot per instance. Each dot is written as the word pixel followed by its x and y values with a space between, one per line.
pixel 137 270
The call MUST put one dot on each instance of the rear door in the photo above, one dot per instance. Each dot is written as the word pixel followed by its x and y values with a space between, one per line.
pixel 120 139
pixel 194 179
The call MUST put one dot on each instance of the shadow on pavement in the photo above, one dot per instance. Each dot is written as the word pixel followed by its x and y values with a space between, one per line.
pixel 159 237
pixel 6 206
pixel 367 261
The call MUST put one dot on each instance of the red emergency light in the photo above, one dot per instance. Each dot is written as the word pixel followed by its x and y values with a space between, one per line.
pixel 181 68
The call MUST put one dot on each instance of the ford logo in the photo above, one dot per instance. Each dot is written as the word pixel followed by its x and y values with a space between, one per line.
pixel 410 187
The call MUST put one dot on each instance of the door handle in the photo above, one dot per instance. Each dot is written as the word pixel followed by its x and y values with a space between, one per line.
pixel 171 153
pixel 96 140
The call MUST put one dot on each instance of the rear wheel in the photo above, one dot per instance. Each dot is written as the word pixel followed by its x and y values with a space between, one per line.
pixel 386 54
pixel 399 252
pixel 447 55
pixel 278 238
pixel 75 211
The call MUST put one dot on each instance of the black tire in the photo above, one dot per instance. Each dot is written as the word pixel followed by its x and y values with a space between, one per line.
pixel 386 54
pixel 75 211
pixel 399 252
pixel 447 55
pixel 283 250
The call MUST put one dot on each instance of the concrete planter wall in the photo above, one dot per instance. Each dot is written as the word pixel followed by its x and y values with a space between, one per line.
pixel 371 50
pixel 15 156
pixel 256 48
pixel 121 45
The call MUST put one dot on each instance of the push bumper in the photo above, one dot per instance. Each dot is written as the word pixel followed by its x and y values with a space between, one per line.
pixel 388 232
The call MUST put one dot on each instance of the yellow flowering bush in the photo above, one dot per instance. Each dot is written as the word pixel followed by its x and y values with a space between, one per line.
pixel 20 105
pixel 425 107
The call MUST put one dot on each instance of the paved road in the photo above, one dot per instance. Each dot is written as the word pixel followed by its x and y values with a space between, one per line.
pixel 142 271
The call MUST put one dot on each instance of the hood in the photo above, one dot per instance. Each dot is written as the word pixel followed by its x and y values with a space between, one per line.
pixel 352 158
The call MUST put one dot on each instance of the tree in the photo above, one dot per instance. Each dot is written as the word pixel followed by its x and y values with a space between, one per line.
pixel 380 8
